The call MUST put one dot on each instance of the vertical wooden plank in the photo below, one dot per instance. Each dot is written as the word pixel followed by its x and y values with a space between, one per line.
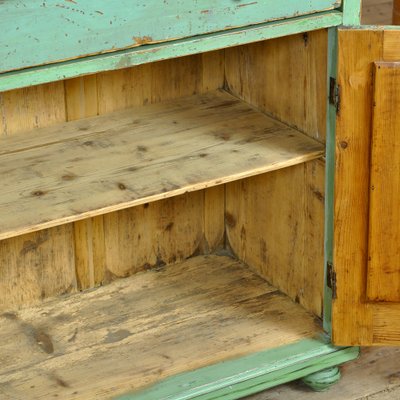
pixel 40 264
pixel 383 281
pixel 285 78
pixel 36 266
pixel 214 218
pixel 351 316
pixel 153 235
pixel 35 107
pixel 81 97
pixel 275 223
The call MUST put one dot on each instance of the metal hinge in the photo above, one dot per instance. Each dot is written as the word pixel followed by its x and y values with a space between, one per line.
pixel 331 279
pixel 334 94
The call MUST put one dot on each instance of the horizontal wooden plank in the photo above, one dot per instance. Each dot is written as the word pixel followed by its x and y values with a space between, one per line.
pixel 155 52
pixel 97 165
pixel 81 28
pixel 139 330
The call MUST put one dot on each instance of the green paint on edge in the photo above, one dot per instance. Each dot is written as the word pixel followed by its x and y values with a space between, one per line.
pixel 250 374
pixel 157 52
pixel 351 12
pixel 329 178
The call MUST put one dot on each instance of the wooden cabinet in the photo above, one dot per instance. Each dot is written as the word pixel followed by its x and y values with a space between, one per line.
pixel 202 218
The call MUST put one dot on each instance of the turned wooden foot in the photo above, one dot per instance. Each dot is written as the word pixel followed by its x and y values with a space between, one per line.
pixel 322 380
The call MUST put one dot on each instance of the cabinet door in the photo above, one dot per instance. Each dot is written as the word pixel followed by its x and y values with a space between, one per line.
pixel 366 307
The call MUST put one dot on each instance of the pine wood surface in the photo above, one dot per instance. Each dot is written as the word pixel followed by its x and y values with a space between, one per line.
pixel 383 281
pixel 141 329
pixel 272 75
pixel 46 105
pixel 275 223
pixel 94 166
pixel 103 247
pixel 362 322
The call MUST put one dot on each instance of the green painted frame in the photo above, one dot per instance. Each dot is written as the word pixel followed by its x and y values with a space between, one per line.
pixel 247 375
pixel 39 32
pixel 329 179
pixel 156 52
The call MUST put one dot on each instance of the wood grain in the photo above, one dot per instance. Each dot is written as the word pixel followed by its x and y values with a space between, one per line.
pixel 383 281
pixel 36 266
pixel 154 152
pixel 351 317
pixel 275 224
pixel 139 330
pixel 40 264
pixel 286 78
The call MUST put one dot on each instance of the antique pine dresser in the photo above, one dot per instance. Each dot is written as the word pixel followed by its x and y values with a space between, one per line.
pixel 195 196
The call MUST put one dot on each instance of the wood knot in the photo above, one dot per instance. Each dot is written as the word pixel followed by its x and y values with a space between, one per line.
pixel 38 193
pixel 121 186
pixel 343 144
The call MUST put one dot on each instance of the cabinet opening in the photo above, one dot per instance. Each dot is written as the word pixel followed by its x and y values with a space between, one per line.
pixel 200 180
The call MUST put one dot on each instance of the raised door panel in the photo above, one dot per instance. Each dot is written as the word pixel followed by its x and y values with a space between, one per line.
pixel 383 279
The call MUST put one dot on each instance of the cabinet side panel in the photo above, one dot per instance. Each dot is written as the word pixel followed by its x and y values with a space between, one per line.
pixel 124 242
pixel 39 264
pixel 275 223
pixel 285 78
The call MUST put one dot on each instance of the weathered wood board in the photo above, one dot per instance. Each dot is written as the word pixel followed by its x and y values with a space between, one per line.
pixel 355 320
pixel 136 331
pixel 94 166
pixel 383 281
pixel 275 224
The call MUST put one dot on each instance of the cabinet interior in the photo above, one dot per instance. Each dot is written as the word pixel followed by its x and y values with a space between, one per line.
pixel 199 179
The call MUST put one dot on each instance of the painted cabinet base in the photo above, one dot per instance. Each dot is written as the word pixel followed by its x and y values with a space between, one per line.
pixel 254 373
pixel 322 380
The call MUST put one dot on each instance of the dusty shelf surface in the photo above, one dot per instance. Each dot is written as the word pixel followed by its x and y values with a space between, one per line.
pixel 89 167
pixel 139 330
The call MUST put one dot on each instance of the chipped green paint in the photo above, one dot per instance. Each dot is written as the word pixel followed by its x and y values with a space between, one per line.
pixel 38 32
pixel 329 177
pixel 322 380
pixel 250 374
pixel 351 12
pixel 162 51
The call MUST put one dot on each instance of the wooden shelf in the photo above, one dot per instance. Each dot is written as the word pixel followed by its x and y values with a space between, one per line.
pixel 139 330
pixel 97 165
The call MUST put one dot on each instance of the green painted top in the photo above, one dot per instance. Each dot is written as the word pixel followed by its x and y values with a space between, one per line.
pixel 38 32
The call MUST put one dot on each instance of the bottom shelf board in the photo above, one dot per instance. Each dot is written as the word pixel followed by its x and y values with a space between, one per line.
pixel 140 330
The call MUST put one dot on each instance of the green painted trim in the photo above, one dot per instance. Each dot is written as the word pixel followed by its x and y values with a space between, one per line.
pixel 250 374
pixel 322 380
pixel 351 12
pixel 90 27
pixel 329 178
pixel 156 52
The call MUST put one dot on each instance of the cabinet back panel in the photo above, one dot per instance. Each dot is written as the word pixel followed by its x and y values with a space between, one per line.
pixel 94 251
pixel 275 224
pixel 285 78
